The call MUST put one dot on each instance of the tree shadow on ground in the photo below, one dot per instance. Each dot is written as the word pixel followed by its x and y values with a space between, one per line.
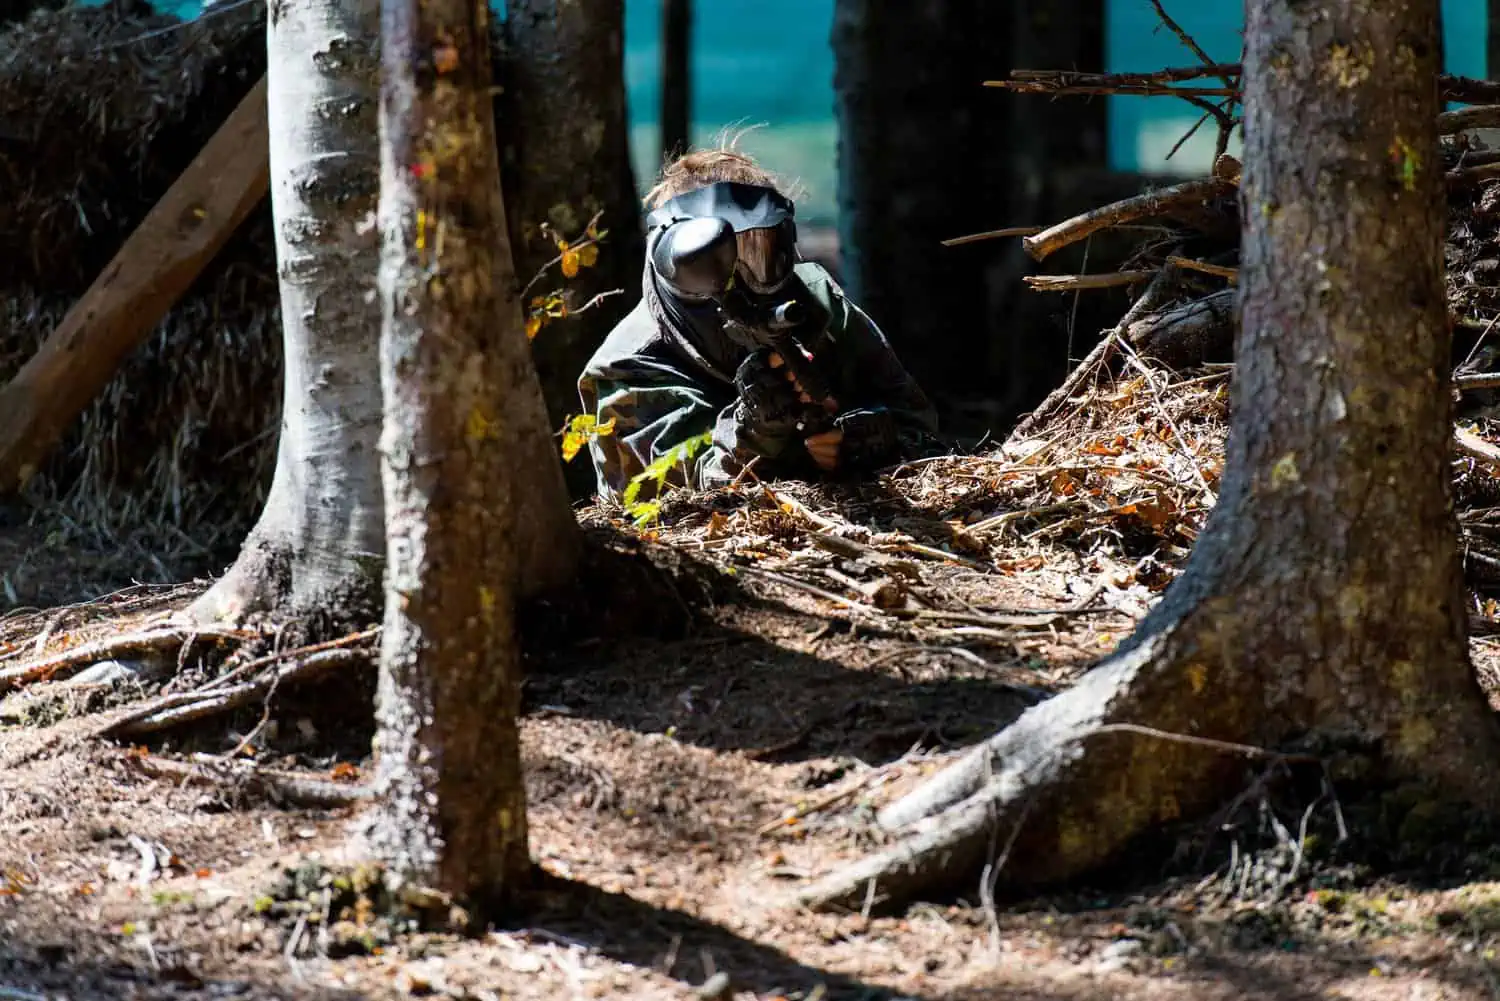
pixel 733 690
pixel 674 944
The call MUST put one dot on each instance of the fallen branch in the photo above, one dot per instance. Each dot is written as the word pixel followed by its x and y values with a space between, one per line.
pixel 1153 203
pixel 70 662
pixel 994 234
pixel 1461 89
pixel 1233 274
pixel 1071 283
pixel 1461 119
pixel 1468 383
pixel 1472 445
pixel 174 710
pixel 1186 334
pixel 244 776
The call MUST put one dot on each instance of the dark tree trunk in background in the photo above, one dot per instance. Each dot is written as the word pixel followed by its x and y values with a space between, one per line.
pixel 450 811
pixel 1323 602
pixel 921 159
pixel 566 156
pixel 1492 40
pixel 1059 167
pixel 676 77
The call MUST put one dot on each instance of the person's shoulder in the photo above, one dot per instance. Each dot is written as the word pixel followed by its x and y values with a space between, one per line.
pixel 636 335
pixel 818 281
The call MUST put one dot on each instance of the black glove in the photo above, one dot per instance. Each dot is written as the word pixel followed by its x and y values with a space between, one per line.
pixel 769 404
pixel 870 439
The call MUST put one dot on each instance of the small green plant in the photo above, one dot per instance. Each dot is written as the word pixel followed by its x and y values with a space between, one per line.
pixel 645 512
pixel 580 430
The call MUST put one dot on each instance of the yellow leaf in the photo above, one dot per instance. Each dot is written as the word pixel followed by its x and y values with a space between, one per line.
pixel 572 442
pixel 608 427
pixel 570 263
pixel 589 255
pixel 533 324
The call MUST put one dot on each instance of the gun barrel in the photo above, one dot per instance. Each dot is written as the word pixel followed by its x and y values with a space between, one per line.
pixel 788 314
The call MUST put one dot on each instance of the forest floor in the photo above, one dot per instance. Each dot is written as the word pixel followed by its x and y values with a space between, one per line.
pixel 833 646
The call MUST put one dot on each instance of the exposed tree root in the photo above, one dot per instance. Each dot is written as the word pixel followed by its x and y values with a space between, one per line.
pixel 245 778
pixel 1147 737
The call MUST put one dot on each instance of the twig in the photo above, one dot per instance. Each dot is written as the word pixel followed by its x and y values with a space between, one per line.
pixel 1152 203
pixel 297 790
pixel 1069 283
pixel 1166 415
pixel 1484 116
pixel 1466 383
pixel 1246 750
pixel 160 716
pixel 994 234
pixel 1124 88
pixel 250 667
pixel 1233 274
pixel 1466 90
pixel 71 661
pixel 1471 444
pixel 818 805
pixel 542 271
pixel 1186 39
pixel 812 589
pixel 996 521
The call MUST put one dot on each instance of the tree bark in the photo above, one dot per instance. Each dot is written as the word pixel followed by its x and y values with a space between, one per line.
pixel 914 130
pixel 450 810
pixel 566 156
pixel 317 553
pixel 1322 606
pixel 676 77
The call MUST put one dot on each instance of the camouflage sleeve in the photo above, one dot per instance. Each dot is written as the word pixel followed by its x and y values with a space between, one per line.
pixel 655 408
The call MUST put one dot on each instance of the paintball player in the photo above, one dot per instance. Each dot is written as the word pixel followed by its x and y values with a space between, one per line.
pixel 727 308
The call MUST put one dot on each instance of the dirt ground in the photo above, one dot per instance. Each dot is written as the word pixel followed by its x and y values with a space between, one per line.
pixel 660 774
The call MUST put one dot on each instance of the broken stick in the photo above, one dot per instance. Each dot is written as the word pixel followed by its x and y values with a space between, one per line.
pixel 156 265
pixel 1163 201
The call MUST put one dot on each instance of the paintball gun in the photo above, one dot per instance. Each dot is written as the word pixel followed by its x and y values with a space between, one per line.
pixel 697 259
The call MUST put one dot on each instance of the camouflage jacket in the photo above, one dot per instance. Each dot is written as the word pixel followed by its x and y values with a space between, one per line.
pixel 663 382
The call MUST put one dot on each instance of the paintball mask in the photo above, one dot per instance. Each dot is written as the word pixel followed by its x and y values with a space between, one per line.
pixel 723 235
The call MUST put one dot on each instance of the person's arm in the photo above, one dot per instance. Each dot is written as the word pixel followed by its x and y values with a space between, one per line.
pixel 656 407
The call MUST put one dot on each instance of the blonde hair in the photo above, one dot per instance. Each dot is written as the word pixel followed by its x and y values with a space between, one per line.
pixel 699 168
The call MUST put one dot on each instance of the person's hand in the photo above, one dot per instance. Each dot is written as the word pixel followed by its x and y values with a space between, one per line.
pixel 769 401
pixel 777 362
pixel 824 448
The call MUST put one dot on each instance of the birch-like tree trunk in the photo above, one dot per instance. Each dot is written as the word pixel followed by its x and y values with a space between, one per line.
pixel 451 809
pixel 317 553
pixel 318 546
pixel 1323 603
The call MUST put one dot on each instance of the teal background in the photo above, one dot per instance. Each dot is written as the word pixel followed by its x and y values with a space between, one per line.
pixel 1143 129
pixel 768 64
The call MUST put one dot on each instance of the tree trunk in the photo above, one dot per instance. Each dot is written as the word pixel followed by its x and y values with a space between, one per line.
pixel 318 550
pixel 319 541
pixel 915 127
pixel 566 157
pixel 1492 40
pixel 1323 603
pixel 451 807
pixel 676 77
